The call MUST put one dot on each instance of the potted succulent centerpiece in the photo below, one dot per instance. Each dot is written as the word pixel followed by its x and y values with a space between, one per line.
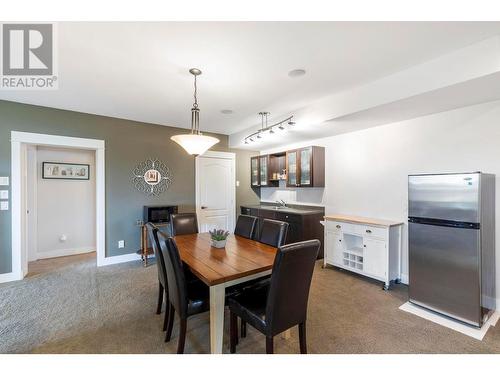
pixel 219 237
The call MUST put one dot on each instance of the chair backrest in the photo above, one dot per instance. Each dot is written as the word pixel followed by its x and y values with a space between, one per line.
pixel 185 223
pixel 245 226
pixel 290 282
pixel 176 280
pixel 273 232
pixel 160 262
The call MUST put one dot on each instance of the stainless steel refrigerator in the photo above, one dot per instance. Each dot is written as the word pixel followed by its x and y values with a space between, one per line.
pixel 451 236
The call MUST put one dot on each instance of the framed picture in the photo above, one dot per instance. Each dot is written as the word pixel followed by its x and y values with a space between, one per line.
pixel 65 171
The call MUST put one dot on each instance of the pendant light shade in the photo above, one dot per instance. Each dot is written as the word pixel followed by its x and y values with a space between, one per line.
pixel 195 143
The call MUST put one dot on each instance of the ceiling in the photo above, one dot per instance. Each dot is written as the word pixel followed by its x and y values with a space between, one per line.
pixel 139 70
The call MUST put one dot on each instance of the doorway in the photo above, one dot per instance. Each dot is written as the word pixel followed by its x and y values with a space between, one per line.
pixel 215 191
pixel 60 206
pixel 22 145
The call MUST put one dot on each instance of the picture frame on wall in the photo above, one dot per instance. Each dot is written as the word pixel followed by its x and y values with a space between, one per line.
pixel 65 171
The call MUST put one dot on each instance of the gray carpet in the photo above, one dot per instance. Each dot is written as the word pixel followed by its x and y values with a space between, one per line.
pixel 79 308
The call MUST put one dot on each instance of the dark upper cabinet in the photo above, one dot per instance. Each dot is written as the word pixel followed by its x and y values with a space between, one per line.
pixel 264 170
pixel 306 167
pixel 254 171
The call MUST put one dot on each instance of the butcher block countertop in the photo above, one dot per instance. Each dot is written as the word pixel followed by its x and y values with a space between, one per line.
pixel 363 220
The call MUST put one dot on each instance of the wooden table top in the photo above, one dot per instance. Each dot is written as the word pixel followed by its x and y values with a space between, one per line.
pixel 241 257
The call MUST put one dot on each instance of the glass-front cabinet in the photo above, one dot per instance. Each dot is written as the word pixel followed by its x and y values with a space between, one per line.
pixel 292 168
pixel 254 171
pixel 305 157
pixel 264 170
pixel 304 167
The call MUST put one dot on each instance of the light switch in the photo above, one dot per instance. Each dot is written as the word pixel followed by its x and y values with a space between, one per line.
pixel 4 194
pixel 4 181
pixel 4 205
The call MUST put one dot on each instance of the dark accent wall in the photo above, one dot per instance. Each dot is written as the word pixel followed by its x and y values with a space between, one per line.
pixel 245 195
pixel 127 144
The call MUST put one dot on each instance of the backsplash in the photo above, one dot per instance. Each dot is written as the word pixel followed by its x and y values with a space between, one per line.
pixel 308 196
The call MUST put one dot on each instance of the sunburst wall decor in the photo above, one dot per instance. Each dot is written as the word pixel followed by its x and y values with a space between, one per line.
pixel 152 177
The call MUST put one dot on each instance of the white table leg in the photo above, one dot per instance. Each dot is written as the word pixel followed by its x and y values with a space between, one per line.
pixel 217 295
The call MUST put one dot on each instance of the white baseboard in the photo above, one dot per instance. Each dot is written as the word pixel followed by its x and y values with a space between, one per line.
pixel 404 279
pixel 63 252
pixel 7 277
pixel 117 259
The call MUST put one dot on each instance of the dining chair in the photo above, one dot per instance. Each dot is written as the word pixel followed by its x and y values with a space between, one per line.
pixel 185 223
pixel 275 307
pixel 245 226
pixel 185 299
pixel 273 232
pixel 160 264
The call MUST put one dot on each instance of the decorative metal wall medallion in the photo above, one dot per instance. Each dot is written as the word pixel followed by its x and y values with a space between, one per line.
pixel 152 177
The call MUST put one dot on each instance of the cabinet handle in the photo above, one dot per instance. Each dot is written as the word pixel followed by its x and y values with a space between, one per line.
pixel 368 231
pixel 364 245
pixel 340 240
pixel 338 226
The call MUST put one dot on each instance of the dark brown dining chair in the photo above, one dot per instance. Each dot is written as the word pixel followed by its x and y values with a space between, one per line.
pixel 185 223
pixel 275 307
pixel 160 264
pixel 245 226
pixel 273 232
pixel 185 299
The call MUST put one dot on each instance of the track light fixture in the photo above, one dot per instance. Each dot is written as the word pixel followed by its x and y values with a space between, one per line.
pixel 264 127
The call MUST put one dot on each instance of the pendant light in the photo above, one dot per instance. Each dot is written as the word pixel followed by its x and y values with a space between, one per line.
pixel 195 143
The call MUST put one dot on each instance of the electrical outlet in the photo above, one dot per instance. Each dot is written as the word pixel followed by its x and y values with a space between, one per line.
pixel 139 222
pixel 4 205
pixel 121 244
pixel 4 194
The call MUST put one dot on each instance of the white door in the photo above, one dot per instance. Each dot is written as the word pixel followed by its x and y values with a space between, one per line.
pixel 215 191
pixel 375 257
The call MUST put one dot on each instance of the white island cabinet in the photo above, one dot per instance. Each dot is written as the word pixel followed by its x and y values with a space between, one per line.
pixel 370 247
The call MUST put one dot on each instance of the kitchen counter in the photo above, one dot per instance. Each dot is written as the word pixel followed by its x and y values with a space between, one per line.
pixel 304 222
pixel 363 220
pixel 307 210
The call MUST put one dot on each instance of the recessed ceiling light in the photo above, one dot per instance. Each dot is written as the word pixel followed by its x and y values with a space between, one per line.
pixel 226 111
pixel 296 73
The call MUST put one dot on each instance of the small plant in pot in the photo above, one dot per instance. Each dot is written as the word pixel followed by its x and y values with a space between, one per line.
pixel 219 237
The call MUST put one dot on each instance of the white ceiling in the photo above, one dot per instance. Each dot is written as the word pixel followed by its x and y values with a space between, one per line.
pixel 139 71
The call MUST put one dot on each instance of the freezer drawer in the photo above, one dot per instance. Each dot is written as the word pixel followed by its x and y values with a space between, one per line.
pixel 444 270
pixel 452 197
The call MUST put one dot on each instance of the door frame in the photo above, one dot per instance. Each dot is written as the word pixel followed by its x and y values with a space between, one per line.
pixel 217 155
pixel 19 142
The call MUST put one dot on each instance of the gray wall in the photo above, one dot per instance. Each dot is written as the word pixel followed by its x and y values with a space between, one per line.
pixel 244 193
pixel 127 144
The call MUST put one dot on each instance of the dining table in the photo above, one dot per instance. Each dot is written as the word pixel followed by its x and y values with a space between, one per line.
pixel 241 260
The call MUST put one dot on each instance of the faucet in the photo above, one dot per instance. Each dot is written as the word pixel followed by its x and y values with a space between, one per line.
pixel 281 203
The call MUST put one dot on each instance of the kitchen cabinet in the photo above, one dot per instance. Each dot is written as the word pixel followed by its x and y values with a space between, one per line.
pixel 366 246
pixel 264 170
pixel 306 167
pixel 254 171
pixel 302 224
